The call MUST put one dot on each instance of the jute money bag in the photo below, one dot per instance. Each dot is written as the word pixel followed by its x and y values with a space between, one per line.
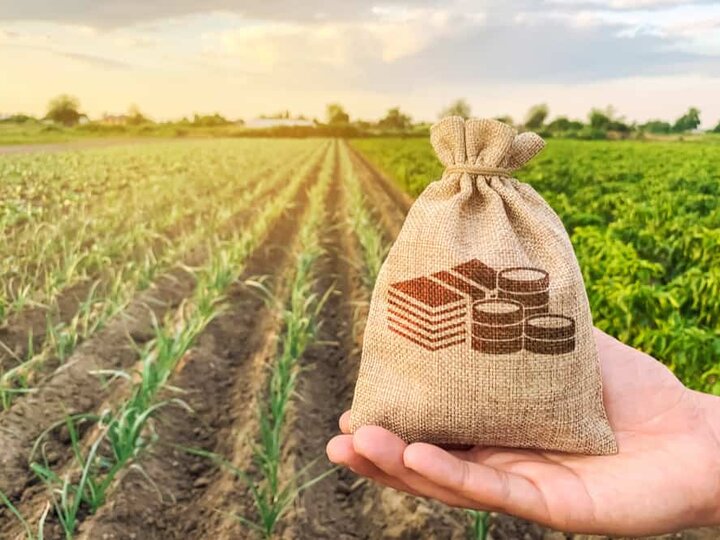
pixel 479 330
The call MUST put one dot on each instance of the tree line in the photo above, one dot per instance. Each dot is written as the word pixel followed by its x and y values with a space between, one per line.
pixel 600 123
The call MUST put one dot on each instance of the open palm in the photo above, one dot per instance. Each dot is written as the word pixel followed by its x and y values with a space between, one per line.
pixel 665 477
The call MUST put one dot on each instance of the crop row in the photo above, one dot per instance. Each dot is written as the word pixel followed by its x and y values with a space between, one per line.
pixel 61 338
pixel 369 235
pixel 123 431
pixel 54 251
pixel 274 491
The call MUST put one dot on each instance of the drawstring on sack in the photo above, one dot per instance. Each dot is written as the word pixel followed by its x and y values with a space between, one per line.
pixel 479 171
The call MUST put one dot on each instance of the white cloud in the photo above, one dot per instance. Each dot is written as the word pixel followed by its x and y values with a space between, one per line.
pixel 392 34
pixel 620 4
pixel 684 27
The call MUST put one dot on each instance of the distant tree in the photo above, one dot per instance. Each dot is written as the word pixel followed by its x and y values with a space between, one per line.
pixel 135 117
pixel 363 125
pixel 717 128
pixel 656 126
pixel 688 121
pixel 336 115
pixel 394 119
pixel 600 118
pixel 536 116
pixel 562 123
pixel 459 107
pixel 607 120
pixel 505 119
pixel 209 120
pixel 18 119
pixel 64 109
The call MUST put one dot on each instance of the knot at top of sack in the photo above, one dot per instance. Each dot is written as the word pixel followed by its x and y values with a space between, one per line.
pixel 482 146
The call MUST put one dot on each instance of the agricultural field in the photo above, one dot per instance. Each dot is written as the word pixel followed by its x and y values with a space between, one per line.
pixel 644 218
pixel 181 323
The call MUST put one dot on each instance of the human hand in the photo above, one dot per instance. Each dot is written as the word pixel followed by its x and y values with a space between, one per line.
pixel 665 477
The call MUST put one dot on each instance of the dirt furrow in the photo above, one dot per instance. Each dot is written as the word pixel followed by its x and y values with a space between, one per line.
pixel 391 204
pixel 26 329
pixel 331 508
pixel 74 388
pixel 220 379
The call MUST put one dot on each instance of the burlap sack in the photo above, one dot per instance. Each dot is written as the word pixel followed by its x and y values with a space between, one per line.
pixel 479 329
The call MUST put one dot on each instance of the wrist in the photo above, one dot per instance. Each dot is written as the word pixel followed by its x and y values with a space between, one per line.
pixel 709 406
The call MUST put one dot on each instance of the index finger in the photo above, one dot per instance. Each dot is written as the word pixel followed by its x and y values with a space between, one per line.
pixel 345 422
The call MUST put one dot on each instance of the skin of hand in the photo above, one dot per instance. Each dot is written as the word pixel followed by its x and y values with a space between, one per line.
pixel 666 476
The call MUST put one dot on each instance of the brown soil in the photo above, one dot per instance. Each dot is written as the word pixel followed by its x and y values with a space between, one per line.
pixel 333 507
pixel 400 199
pixel 220 379
pixel 74 389
pixel 29 325
pixel 389 205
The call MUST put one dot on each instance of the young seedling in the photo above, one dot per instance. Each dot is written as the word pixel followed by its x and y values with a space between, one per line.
pixel 480 525
pixel 370 237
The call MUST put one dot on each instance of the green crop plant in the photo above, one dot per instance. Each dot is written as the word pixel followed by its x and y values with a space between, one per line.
pixel 121 284
pixel 370 237
pixel 480 524
pixel 644 219
pixel 123 432
pixel 270 509
pixel 72 243
pixel 273 494
pixel 29 534
pixel 70 491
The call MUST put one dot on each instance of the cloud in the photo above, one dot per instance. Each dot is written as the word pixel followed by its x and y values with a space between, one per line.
pixel 114 13
pixel 681 27
pixel 95 61
pixel 620 4
pixel 393 35
pixel 317 51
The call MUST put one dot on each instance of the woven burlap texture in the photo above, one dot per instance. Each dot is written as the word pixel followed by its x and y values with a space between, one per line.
pixel 458 393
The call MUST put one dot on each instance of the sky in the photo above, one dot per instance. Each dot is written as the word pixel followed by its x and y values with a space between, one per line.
pixel 646 58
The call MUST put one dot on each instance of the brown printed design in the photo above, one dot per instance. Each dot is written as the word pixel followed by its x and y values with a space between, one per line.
pixel 549 334
pixel 509 308
pixel 427 313
pixel 455 281
pixel 478 272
